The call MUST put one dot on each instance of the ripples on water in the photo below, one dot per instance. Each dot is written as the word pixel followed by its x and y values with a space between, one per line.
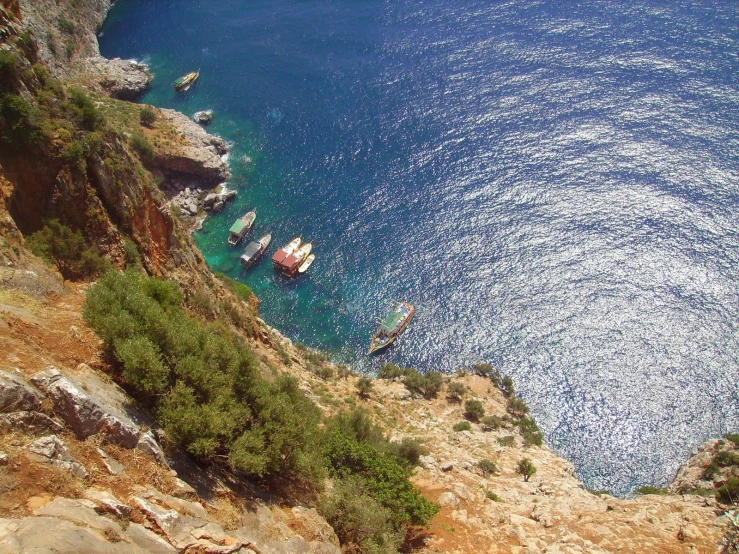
pixel 554 185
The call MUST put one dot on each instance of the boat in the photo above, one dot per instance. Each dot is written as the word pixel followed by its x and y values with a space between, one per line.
pixel 255 249
pixel 306 264
pixel 392 326
pixel 289 266
pixel 184 83
pixel 241 227
pixel 285 251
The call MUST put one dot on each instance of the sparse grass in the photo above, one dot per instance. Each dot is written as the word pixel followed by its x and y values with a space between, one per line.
pixel 227 513
pixel 649 489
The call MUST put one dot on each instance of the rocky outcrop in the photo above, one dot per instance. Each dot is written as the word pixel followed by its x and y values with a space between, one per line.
pixel 202 157
pixel 124 79
pixel 16 395
pixel 53 450
pixel 29 423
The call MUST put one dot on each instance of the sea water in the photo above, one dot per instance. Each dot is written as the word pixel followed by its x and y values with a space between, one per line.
pixel 554 185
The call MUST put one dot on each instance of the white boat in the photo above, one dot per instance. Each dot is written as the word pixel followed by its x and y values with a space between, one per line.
pixel 306 264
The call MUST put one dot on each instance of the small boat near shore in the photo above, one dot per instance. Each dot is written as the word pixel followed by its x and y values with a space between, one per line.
pixel 279 256
pixel 290 265
pixel 184 83
pixel 241 227
pixel 392 326
pixel 306 264
pixel 254 250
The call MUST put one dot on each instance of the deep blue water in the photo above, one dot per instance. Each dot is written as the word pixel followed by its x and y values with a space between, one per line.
pixel 555 185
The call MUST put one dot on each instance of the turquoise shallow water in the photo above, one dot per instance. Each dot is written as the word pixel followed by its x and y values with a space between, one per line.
pixel 553 184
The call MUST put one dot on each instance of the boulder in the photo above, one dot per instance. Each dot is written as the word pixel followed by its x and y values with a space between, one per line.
pixel 229 195
pixel 448 499
pixel 113 466
pixel 148 445
pixel 218 206
pixel 84 413
pixel 29 423
pixel 192 207
pixel 204 117
pixel 54 451
pixel 16 394
pixel 210 199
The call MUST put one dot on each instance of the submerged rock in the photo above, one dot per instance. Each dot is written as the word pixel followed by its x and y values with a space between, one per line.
pixel 203 117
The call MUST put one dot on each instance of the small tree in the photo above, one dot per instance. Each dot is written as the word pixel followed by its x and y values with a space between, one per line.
pixel 389 371
pixel 147 116
pixel 517 407
pixel 526 468
pixel 473 410
pixel 487 467
pixel 455 391
pixel 506 386
pixel 364 387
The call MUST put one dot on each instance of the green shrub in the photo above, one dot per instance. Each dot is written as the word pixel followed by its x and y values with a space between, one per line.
pixel 66 25
pixel 9 68
pixel 491 423
pixel 729 493
pixel 19 122
pixel 492 496
pixel 389 371
pixel 210 398
pixel 364 386
pixel 506 386
pixel 85 109
pixel 409 451
pixel 648 489
pixel 455 391
pixel 147 116
pixel 58 244
pixel 241 290
pixel 726 459
pixel 506 441
pixel 385 477
pixel 462 426
pixel 732 437
pixel 526 469
pixel 131 253
pixel 324 372
pixel 487 467
pixel 361 523
pixel 517 407
pixel 75 153
pixel 142 145
pixel 473 410
pixel 530 432
pixel 710 471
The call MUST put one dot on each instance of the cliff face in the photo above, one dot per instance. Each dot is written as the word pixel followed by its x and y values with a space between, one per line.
pixel 61 488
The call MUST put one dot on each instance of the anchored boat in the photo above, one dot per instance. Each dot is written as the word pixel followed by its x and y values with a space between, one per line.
pixel 392 326
pixel 306 264
pixel 255 249
pixel 241 227
pixel 289 266
pixel 184 83
pixel 285 251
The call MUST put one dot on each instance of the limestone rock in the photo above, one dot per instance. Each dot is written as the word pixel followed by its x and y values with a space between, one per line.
pixel 125 79
pixel 113 466
pixel 446 466
pixel 147 540
pixel 106 502
pixel 16 394
pixel 448 499
pixel 210 199
pixel 204 117
pixel 54 451
pixel 29 423
pixel 86 414
pixel 148 445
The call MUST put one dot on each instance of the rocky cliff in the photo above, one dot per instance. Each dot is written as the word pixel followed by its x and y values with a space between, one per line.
pixel 83 467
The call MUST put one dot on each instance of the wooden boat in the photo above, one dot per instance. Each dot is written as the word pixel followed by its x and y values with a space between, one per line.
pixel 392 326
pixel 306 264
pixel 241 227
pixel 290 265
pixel 184 83
pixel 285 251
pixel 255 249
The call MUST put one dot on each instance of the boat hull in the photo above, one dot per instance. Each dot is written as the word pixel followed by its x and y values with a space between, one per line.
pixel 376 347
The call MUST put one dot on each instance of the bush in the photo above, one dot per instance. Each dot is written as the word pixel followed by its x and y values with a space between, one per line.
pixel 386 479
pixel 19 122
pixel 361 523
pixel 462 426
pixel 66 25
pixel 455 391
pixel 648 489
pixel 517 407
pixel 131 252
pixel 473 410
pixel 726 459
pixel 492 496
pixel 9 68
pixel 364 386
pixel 506 441
pixel 241 290
pixel 732 437
pixel 427 385
pixel 409 451
pixel 710 471
pixel 526 468
pixel 506 386
pixel 91 118
pixel 729 493
pixel 58 244
pixel 491 423
pixel 530 432
pixel 142 145
pixel 389 371
pixel 147 116
pixel 203 383
pixel 487 467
